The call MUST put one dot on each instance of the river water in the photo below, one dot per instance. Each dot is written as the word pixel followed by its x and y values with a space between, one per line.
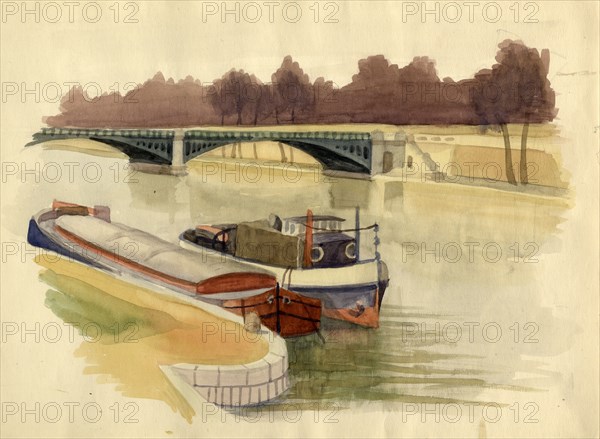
pixel 464 320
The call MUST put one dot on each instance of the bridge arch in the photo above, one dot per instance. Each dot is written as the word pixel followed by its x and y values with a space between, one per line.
pixel 145 146
pixel 349 152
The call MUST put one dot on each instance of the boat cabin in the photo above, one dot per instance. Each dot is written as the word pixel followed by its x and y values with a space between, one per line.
pixel 281 242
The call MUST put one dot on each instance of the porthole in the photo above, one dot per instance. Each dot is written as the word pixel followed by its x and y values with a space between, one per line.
pixel 350 250
pixel 316 254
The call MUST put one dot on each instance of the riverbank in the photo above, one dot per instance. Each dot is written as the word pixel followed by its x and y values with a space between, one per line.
pixel 133 334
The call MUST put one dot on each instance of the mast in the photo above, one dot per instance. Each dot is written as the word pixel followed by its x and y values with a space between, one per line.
pixel 357 233
pixel 308 242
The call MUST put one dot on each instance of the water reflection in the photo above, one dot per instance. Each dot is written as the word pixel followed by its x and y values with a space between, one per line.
pixel 152 194
pixel 396 363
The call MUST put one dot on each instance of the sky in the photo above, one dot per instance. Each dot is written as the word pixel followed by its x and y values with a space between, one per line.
pixel 196 38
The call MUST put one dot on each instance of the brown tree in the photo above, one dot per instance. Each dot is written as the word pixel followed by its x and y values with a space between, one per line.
pixel 325 95
pixel 262 102
pixel 231 94
pixel 535 98
pixel 374 72
pixel 293 90
pixel 515 90
pixel 492 103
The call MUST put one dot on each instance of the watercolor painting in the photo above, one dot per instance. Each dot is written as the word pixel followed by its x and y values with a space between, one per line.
pixel 248 241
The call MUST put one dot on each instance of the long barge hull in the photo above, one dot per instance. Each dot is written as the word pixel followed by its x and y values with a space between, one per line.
pixel 280 310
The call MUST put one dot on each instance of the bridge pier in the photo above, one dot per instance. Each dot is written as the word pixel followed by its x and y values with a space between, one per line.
pixel 178 166
pixel 388 154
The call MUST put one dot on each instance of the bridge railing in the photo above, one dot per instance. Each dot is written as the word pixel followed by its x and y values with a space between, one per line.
pixel 86 132
pixel 280 135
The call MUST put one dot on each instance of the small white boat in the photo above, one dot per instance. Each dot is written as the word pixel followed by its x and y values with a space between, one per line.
pixel 310 255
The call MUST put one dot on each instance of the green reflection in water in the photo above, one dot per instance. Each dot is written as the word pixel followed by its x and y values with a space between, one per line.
pixel 97 314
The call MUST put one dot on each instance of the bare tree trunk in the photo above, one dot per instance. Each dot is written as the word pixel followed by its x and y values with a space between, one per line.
pixel 282 152
pixel 510 173
pixel 523 164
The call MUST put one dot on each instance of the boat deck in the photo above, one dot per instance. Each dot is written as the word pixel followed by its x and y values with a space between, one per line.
pixel 150 251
